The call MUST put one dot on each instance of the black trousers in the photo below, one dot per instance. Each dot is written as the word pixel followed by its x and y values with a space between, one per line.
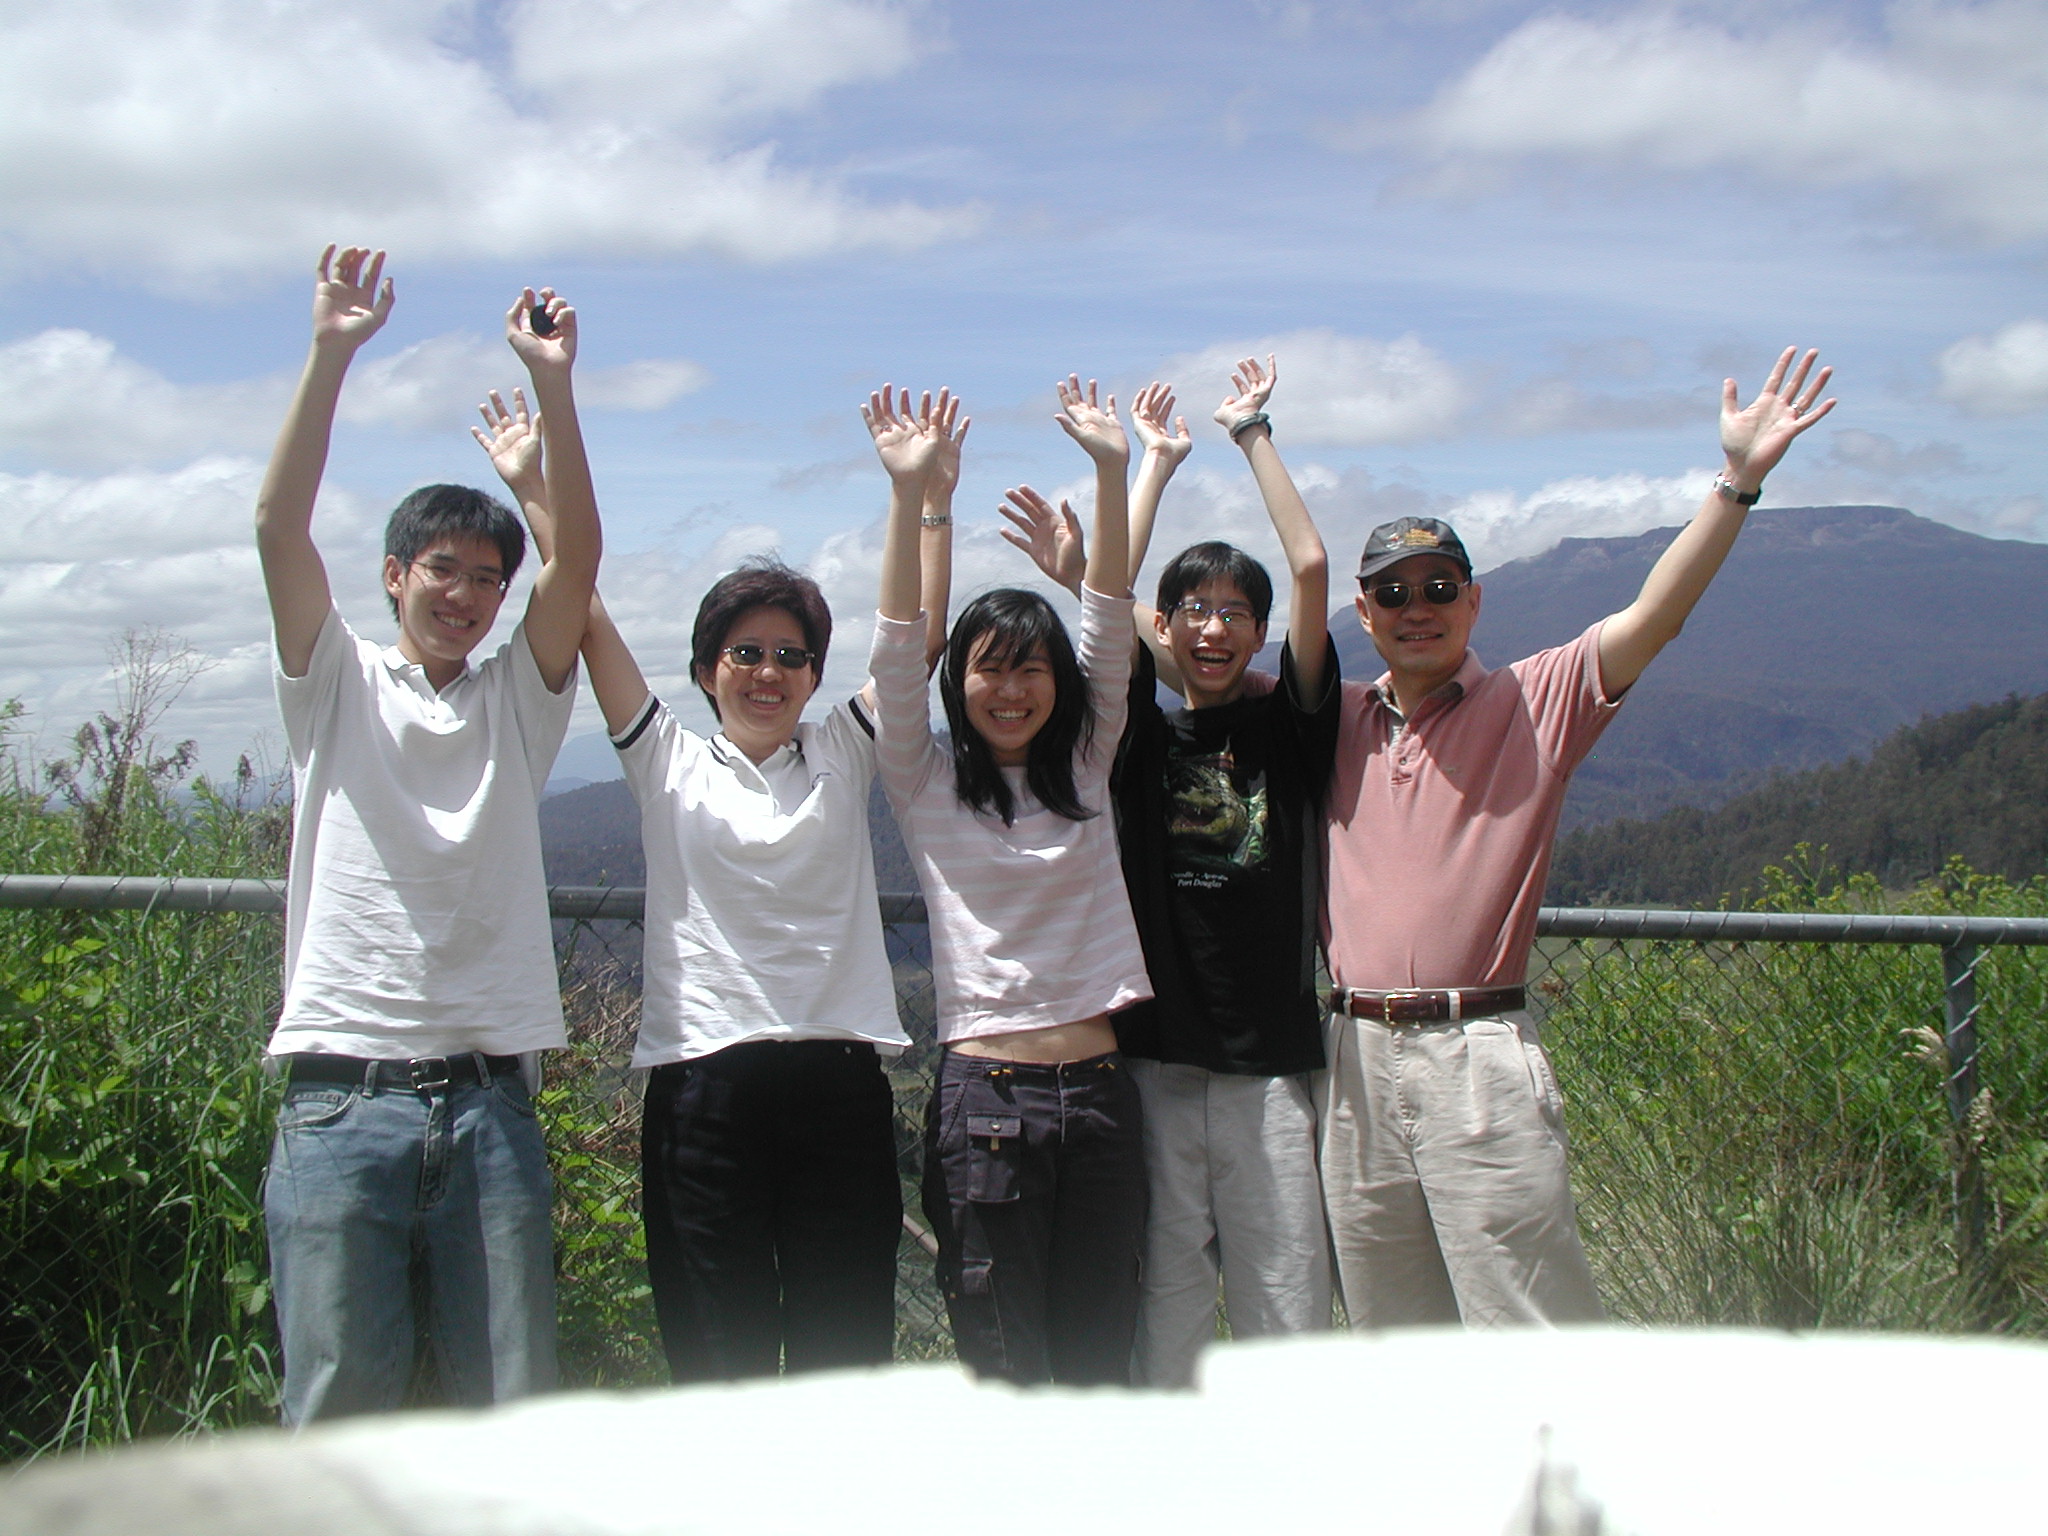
pixel 1035 1185
pixel 773 1209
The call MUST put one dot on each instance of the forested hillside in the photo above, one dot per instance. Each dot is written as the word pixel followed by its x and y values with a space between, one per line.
pixel 1972 784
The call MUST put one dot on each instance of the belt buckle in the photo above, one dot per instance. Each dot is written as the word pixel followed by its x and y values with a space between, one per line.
pixel 1391 1004
pixel 423 1073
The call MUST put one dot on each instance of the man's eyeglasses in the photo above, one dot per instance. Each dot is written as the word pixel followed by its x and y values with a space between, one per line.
pixel 1438 590
pixel 447 573
pixel 787 657
pixel 1196 614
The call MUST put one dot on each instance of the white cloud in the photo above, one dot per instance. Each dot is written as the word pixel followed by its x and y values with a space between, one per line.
pixel 429 385
pixel 1947 106
pixel 1335 389
pixel 648 385
pixel 72 400
pixel 697 66
pixel 1499 526
pixel 229 137
pixel 2005 374
pixel 84 558
pixel 69 399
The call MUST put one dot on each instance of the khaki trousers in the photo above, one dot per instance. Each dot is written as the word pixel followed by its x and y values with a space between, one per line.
pixel 1231 1162
pixel 1444 1170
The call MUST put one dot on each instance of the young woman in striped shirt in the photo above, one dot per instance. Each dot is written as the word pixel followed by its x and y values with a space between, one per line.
pixel 1034 1170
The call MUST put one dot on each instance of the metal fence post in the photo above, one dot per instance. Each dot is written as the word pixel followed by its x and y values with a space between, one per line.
pixel 1959 998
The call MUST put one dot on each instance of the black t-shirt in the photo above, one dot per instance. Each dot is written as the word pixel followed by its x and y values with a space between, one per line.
pixel 1219 814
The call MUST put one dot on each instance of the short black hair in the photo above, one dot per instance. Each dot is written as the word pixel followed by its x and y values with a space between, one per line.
pixel 1008 625
pixel 442 511
pixel 1213 560
pixel 763 582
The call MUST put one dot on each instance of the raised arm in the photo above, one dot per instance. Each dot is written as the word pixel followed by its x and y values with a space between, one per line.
pixel 513 440
pixel 1151 411
pixel 350 306
pixel 907 442
pixel 1753 440
pixel 935 526
pixel 1101 436
pixel 1243 415
pixel 559 608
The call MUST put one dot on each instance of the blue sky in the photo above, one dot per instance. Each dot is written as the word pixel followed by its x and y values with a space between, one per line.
pixel 1505 254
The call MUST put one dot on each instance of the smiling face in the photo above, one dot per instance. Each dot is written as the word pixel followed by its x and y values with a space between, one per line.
pixel 1008 705
pixel 1422 644
pixel 759 707
pixel 1212 650
pixel 447 598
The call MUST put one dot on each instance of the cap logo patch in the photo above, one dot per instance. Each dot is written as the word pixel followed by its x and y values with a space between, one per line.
pixel 1419 538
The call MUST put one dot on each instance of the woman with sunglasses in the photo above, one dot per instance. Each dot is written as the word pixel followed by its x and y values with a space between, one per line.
pixel 1034 1162
pixel 768 1151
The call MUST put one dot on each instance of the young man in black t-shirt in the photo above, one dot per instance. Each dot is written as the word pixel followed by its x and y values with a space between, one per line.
pixel 1219 812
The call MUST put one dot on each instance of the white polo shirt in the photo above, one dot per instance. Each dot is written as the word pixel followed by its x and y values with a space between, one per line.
pixel 762 922
pixel 416 919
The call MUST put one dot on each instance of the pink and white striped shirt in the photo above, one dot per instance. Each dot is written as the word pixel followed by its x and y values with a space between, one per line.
pixel 1031 926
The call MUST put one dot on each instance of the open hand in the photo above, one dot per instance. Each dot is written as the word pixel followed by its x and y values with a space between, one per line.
pixel 512 438
pixel 557 349
pixel 349 304
pixel 1252 387
pixel 1756 436
pixel 1151 410
pixel 946 462
pixel 1052 539
pixel 1094 426
pixel 907 441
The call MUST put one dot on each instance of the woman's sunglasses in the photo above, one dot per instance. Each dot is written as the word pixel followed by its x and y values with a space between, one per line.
pixel 1438 590
pixel 788 657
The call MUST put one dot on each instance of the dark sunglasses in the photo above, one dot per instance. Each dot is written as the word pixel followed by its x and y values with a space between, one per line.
pixel 787 657
pixel 1438 590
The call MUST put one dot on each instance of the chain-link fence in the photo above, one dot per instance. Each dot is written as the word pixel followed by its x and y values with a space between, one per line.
pixel 1797 1134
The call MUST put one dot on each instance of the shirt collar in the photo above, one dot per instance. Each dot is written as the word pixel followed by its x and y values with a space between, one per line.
pixel 395 659
pixel 790 751
pixel 1468 676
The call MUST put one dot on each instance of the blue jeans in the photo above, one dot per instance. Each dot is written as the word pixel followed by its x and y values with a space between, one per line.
pixel 369 1187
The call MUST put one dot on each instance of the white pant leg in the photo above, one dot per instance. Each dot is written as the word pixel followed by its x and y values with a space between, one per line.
pixel 1177 1302
pixel 1388 1261
pixel 1489 1144
pixel 1268 1199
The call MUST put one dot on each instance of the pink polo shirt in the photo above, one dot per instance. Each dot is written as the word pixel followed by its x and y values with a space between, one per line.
pixel 1439 842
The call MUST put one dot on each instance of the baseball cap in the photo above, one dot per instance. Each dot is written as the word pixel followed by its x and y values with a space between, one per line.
pixel 1391 543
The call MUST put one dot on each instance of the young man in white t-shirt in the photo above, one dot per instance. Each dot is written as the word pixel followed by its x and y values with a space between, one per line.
pixel 418 961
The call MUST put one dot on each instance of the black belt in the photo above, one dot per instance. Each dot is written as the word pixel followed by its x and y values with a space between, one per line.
pixel 1427 1006
pixel 422 1073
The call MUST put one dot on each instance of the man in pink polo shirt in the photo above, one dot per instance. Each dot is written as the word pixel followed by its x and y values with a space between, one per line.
pixel 1443 1141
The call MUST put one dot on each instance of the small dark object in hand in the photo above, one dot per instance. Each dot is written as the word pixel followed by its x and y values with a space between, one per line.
pixel 543 322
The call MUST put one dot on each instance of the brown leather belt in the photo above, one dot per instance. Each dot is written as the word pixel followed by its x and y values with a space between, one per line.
pixel 1427 1006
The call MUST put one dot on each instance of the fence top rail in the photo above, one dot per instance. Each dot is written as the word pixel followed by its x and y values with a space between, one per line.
pixel 1788 927
pixel 628 902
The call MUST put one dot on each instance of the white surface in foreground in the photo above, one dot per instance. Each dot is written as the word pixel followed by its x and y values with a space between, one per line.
pixel 1670 1433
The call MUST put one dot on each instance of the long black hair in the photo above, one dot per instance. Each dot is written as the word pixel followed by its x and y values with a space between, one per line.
pixel 1008 626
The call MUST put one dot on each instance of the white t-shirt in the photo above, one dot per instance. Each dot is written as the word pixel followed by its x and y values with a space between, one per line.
pixel 762 920
pixel 416 919
pixel 1031 924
